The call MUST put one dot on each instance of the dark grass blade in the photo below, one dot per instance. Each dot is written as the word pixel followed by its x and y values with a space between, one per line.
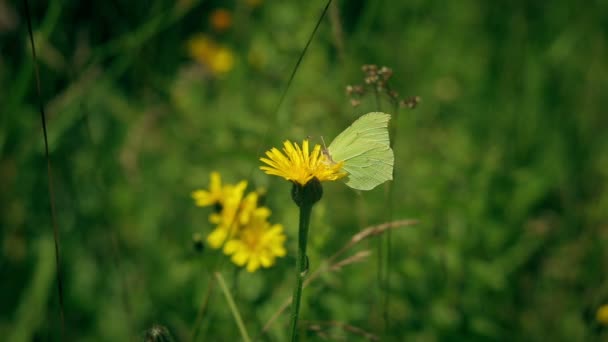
pixel 301 57
pixel 48 169
pixel 293 73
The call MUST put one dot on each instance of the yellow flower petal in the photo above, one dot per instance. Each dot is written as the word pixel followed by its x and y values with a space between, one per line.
pixel 212 196
pixel 253 264
pixel 258 244
pixel 232 246
pixel 240 258
pixel 266 259
pixel 217 237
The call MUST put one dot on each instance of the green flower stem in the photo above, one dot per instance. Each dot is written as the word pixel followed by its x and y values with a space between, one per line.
pixel 233 308
pixel 301 265
pixel 304 196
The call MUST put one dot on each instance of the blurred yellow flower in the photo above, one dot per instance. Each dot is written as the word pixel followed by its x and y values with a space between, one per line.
pixel 212 196
pixel 217 58
pixel 602 314
pixel 257 246
pixel 222 61
pixel 298 165
pixel 241 225
pixel 226 218
pixel 220 19
pixel 201 47
pixel 249 207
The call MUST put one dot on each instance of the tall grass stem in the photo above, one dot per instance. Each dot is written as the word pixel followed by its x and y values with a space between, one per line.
pixel 48 169
pixel 233 308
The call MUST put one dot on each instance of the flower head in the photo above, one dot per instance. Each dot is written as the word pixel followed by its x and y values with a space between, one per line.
pixel 258 245
pixel 299 165
pixel 241 224
pixel 217 58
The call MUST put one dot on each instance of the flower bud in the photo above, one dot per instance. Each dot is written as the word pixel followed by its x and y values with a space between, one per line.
pixel 308 194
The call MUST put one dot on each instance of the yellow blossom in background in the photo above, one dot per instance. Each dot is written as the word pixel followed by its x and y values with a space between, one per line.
pixel 226 218
pixel 222 61
pixel 258 245
pixel 298 165
pixel 602 314
pixel 220 19
pixel 212 196
pixel 201 48
pixel 248 205
pixel 241 225
pixel 217 58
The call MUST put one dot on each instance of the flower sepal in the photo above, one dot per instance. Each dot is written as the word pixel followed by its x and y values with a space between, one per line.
pixel 307 194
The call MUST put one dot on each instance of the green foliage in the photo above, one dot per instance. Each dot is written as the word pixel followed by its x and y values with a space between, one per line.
pixel 504 163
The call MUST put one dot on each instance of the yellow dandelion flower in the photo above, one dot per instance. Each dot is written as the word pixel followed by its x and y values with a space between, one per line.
pixel 602 314
pixel 214 195
pixel 258 245
pixel 298 165
pixel 220 19
pixel 217 58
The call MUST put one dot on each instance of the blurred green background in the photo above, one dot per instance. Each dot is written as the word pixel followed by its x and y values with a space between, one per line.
pixel 504 163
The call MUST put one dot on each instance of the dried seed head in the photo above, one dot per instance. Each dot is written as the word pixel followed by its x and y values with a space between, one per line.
pixel 349 90
pixel 411 102
pixel 386 73
pixel 158 333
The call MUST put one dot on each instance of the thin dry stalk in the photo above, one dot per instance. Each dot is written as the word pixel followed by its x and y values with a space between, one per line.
pixel 358 257
pixel 317 326
pixel 331 262
pixel 336 29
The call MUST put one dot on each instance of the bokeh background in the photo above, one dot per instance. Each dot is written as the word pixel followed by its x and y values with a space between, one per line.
pixel 504 162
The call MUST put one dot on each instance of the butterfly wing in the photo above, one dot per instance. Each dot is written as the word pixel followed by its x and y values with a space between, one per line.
pixel 365 149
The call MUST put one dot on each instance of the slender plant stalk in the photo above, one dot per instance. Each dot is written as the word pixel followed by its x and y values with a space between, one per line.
pixel 301 265
pixel 233 308
pixel 56 234
pixel 201 311
pixel 390 198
